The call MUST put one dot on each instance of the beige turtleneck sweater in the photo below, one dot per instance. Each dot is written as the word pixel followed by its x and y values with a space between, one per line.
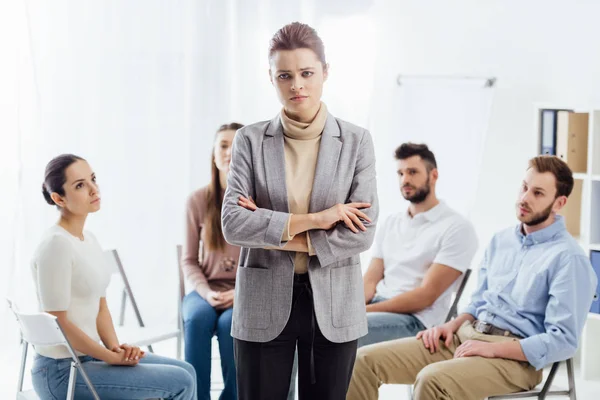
pixel 301 146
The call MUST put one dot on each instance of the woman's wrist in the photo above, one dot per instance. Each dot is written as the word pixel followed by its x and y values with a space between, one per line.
pixel 113 345
pixel 304 222
pixel 315 220
pixel 109 356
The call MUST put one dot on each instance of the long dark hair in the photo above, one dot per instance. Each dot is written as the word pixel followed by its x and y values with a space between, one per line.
pixel 214 200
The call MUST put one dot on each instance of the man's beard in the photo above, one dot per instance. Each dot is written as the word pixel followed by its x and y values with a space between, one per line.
pixel 537 218
pixel 419 195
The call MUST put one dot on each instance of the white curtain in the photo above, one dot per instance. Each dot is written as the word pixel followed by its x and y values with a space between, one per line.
pixel 139 88
pixel 113 83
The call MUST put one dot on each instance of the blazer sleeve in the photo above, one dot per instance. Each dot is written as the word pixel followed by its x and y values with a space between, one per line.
pixel 340 242
pixel 242 227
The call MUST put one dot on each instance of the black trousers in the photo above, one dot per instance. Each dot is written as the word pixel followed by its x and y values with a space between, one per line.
pixel 324 368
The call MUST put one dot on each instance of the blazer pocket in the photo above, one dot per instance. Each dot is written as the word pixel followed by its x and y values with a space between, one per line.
pixel 253 305
pixel 347 296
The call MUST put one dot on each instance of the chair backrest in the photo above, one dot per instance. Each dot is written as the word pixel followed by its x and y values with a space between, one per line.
pixel 181 293
pixel 180 269
pixel 39 329
pixel 112 256
pixel 452 313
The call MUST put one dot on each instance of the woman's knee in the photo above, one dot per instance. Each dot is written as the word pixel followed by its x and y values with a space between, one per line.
pixel 184 377
pixel 224 323
pixel 189 368
pixel 197 313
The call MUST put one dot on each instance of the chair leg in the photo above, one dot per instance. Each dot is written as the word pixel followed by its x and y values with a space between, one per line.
pixel 549 380
pixel 23 361
pixel 179 344
pixel 123 303
pixel 72 379
pixel 571 376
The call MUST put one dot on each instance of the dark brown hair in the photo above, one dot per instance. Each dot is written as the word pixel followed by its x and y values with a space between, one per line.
pixel 214 200
pixel 557 167
pixel 407 150
pixel 55 176
pixel 297 36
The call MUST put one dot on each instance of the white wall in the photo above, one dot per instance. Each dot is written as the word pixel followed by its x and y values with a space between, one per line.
pixel 540 51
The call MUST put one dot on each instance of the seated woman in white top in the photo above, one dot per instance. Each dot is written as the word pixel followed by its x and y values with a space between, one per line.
pixel 71 279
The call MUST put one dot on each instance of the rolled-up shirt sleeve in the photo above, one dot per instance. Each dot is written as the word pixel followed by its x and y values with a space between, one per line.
pixel 570 295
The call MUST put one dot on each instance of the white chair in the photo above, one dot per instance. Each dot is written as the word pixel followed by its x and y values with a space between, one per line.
pixel 140 335
pixel 547 389
pixel 43 329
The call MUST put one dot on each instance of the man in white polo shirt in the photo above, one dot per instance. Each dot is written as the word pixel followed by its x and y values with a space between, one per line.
pixel 419 255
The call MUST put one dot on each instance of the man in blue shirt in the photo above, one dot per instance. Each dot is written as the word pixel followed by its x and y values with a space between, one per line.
pixel 535 288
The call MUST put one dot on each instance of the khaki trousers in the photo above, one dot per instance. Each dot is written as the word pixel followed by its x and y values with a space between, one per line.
pixel 439 376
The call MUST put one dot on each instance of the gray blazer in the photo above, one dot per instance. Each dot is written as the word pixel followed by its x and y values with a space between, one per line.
pixel 263 292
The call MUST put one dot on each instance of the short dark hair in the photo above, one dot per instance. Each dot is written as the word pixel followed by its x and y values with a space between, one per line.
pixel 557 167
pixel 55 176
pixel 407 150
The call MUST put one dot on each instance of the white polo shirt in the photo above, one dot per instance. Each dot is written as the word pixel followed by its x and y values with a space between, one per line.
pixel 409 246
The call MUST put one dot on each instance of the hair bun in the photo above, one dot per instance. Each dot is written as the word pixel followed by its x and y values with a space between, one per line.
pixel 46 194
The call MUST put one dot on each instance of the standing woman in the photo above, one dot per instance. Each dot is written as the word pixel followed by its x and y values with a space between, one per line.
pixel 71 277
pixel 209 263
pixel 302 202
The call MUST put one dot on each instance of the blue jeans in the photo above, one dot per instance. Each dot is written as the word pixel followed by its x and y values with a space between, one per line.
pixel 384 326
pixel 201 323
pixel 153 377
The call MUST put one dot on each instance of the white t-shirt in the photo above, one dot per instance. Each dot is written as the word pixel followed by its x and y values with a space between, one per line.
pixel 70 275
pixel 409 246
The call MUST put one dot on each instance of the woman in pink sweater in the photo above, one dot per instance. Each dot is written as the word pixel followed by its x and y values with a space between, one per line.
pixel 209 264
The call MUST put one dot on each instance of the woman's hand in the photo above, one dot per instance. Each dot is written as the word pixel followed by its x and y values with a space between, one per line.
pixel 226 300
pixel 214 298
pixel 130 353
pixel 220 300
pixel 125 355
pixel 247 203
pixel 349 214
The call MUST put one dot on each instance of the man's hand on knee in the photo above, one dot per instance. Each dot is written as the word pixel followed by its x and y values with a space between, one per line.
pixel 431 337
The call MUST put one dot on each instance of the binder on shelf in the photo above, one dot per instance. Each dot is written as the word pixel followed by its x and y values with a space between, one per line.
pixel 595 260
pixel 572 210
pixel 548 132
pixel 572 139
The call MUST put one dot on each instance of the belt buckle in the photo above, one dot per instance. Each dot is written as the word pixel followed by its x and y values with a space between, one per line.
pixel 483 327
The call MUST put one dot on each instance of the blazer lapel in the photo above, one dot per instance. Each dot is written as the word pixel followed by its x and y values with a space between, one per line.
pixel 327 161
pixel 274 159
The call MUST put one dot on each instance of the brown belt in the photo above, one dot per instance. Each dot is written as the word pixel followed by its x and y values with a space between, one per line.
pixel 489 329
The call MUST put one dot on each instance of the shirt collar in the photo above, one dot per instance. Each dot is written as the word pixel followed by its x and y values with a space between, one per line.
pixel 432 214
pixel 543 235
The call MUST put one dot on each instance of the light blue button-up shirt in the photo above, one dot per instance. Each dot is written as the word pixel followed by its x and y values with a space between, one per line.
pixel 539 286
